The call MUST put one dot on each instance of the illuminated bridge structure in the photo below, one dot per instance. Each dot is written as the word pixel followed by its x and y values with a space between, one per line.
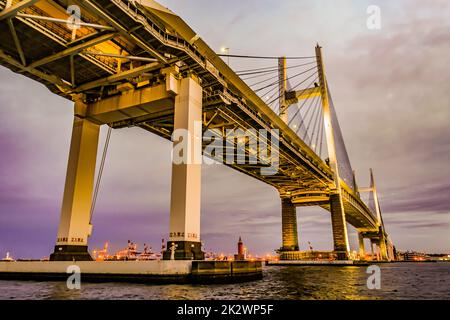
pixel 136 63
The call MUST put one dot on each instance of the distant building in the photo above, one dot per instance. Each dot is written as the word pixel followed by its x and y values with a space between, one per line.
pixel 439 257
pixel 415 256
pixel 101 255
pixel 241 251
pixel 128 253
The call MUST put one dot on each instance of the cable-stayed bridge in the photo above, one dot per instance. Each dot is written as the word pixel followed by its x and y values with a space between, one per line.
pixel 137 64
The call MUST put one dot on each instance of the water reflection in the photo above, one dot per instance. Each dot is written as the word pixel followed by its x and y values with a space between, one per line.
pixel 398 281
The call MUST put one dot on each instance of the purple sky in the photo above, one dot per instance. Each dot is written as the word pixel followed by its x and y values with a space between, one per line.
pixel 390 88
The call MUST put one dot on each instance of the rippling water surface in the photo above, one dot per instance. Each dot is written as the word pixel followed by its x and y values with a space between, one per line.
pixel 398 281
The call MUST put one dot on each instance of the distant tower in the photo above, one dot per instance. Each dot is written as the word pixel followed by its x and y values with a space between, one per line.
pixel 241 251
pixel 240 246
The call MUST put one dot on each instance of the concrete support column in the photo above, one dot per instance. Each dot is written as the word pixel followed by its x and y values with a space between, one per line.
pixel 383 250
pixel 184 237
pixel 339 226
pixel 289 225
pixel 362 251
pixel 372 250
pixel 391 252
pixel 383 247
pixel 74 226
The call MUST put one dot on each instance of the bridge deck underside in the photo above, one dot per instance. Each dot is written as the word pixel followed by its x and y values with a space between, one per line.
pixel 301 172
pixel 293 175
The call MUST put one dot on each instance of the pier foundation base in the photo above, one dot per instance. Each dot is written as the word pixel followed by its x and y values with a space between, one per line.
pixel 185 250
pixel 70 253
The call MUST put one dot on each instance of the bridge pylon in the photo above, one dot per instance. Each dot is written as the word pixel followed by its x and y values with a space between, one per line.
pixel 338 221
pixel 282 88
pixel 379 238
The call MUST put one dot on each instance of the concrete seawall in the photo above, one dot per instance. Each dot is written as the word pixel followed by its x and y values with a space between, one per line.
pixel 226 271
pixel 316 263
pixel 157 271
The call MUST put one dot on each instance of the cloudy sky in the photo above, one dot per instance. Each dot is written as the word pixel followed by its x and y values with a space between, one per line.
pixel 390 88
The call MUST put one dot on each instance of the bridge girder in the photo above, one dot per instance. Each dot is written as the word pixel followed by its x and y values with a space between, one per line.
pixel 15 8
pixel 293 97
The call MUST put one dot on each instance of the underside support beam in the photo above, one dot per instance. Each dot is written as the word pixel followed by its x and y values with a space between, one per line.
pixel 11 11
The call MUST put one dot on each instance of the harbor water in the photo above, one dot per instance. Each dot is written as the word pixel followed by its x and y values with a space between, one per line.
pixel 398 281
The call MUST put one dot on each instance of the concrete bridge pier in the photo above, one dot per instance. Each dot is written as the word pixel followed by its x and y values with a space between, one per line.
pixel 289 225
pixel 339 227
pixel 74 226
pixel 362 251
pixel 184 237
pixel 383 247
pixel 372 250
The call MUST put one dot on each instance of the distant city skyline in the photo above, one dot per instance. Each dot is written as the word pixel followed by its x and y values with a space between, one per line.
pixel 390 90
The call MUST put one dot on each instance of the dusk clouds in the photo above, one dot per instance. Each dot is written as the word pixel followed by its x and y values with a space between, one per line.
pixel 391 90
